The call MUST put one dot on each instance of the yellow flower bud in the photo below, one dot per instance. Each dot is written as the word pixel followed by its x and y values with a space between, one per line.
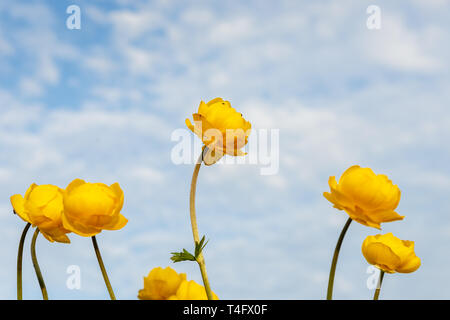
pixel 368 198
pixel 191 290
pixel 390 254
pixel 222 129
pixel 92 207
pixel 43 207
pixel 160 284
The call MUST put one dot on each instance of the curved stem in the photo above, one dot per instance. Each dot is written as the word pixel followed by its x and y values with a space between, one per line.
pixel 19 261
pixel 335 258
pixel 377 291
pixel 102 268
pixel 192 199
pixel 36 265
pixel 200 259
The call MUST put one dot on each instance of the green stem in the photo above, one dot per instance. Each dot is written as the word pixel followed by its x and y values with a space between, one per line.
pixel 200 259
pixel 377 291
pixel 19 261
pixel 335 258
pixel 102 268
pixel 36 265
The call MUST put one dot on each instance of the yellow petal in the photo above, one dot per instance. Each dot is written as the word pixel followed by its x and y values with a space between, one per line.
pixel 386 216
pixel 62 238
pixel 381 256
pixel 43 194
pixel 411 265
pixel 347 172
pixel 120 197
pixel 215 100
pixel 330 197
pixel 74 184
pixel 78 228
pixel 189 125
pixel 191 290
pixel 203 108
pixel 29 190
pixel 17 202
pixel 341 200
pixel 362 219
pixel 118 224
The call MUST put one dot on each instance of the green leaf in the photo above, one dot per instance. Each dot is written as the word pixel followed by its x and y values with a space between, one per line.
pixel 182 256
pixel 186 255
pixel 199 246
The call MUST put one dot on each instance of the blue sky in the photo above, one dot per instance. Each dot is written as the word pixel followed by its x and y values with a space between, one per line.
pixel 101 103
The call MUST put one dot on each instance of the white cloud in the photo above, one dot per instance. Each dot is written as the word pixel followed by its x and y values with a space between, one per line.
pixel 397 46
pixel 432 4
pixel 5 47
pixel 5 175
pixel 132 24
pixel 100 64
pixel 30 87
pixel 146 174
pixel 139 60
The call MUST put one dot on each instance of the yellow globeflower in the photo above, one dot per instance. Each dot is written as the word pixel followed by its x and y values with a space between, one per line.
pixel 93 207
pixel 43 207
pixel 160 284
pixel 390 254
pixel 222 129
pixel 191 290
pixel 368 198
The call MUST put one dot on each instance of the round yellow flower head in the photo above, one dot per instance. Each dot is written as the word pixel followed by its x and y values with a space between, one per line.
pixel 222 129
pixel 368 198
pixel 92 207
pixel 160 284
pixel 390 254
pixel 191 290
pixel 43 207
